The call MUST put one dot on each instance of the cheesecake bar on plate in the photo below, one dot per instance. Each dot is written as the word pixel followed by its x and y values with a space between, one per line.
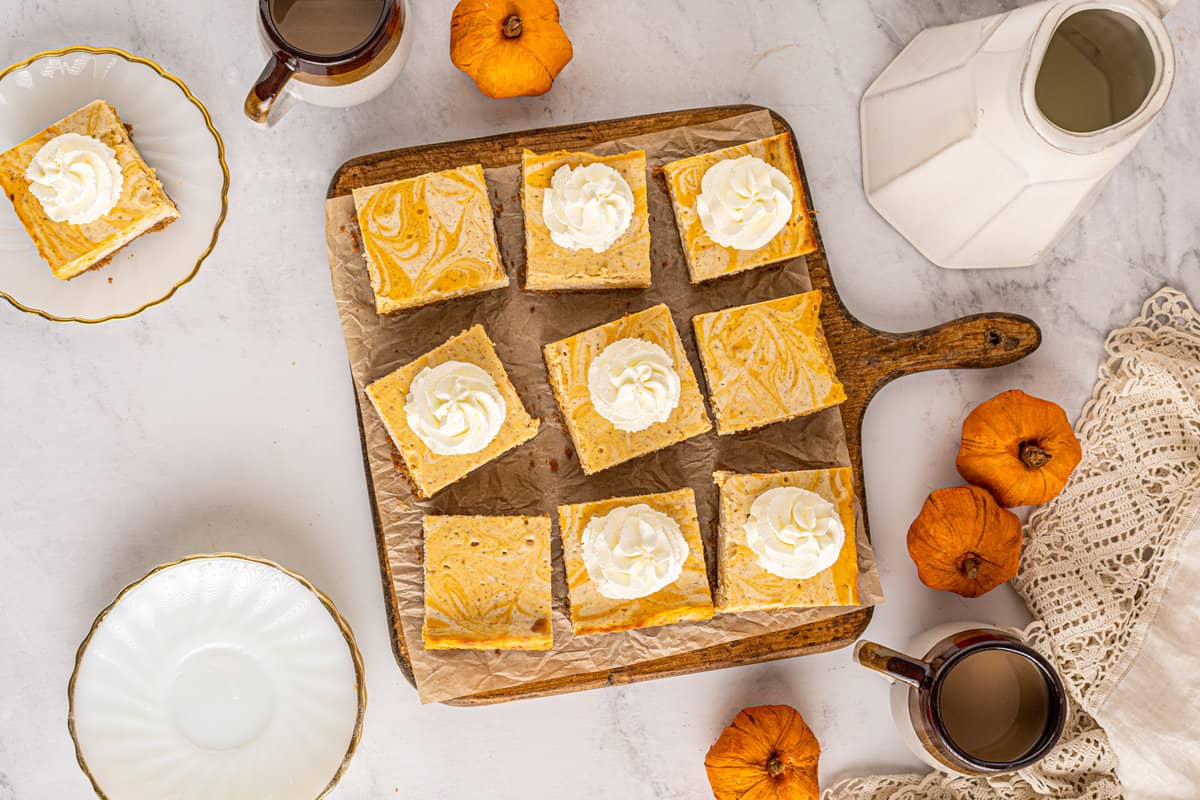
pixel 634 562
pixel 587 225
pixel 429 238
pixel 451 411
pixel 740 208
pixel 626 389
pixel 82 190
pixel 786 540
pixel 767 362
pixel 487 583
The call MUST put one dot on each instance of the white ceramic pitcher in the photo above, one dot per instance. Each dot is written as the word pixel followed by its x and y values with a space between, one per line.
pixel 983 141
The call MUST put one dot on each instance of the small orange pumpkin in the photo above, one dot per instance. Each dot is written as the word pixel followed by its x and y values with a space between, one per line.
pixel 963 542
pixel 767 753
pixel 509 47
pixel 1020 448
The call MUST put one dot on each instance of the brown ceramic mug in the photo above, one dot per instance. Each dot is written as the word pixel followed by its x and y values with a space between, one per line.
pixel 334 53
pixel 979 701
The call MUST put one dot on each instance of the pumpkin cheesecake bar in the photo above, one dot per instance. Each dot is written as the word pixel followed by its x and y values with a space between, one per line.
pixel 626 389
pixel 740 208
pixel 82 191
pixel 451 411
pixel 767 362
pixel 587 224
pixel 786 540
pixel 487 583
pixel 429 238
pixel 634 562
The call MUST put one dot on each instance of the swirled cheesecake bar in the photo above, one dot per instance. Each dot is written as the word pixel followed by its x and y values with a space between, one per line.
pixel 740 208
pixel 767 362
pixel 626 388
pixel 487 583
pixel 634 562
pixel 587 224
pixel 429 238
pixel 786 540
pixel 82 190
pixel 451 411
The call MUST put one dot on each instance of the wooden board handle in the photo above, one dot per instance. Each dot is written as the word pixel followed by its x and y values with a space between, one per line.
pixel 982 340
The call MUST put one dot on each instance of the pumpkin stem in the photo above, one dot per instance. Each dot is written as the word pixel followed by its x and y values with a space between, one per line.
pixel 970 566
pixel 512 27
pixel 774 766
pixel 1032 455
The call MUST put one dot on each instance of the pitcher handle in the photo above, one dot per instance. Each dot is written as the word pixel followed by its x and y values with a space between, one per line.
pixel 906 669
pixel 267 88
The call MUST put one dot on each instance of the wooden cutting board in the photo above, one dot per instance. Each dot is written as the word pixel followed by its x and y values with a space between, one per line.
pixel 866 359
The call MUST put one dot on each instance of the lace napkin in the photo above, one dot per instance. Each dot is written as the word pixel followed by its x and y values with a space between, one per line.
pixel 1115 592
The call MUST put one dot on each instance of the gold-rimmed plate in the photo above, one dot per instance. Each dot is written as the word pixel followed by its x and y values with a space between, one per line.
pixel 217 676
pixel 175 135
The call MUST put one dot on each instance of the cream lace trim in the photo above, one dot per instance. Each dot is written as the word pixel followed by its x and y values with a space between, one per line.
pixel 1096 558
pixel 1093 558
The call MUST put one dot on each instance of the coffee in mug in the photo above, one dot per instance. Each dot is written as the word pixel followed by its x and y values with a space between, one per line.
pixel 326 27
pixel 979 701
pixel 328 52
pixel 994 705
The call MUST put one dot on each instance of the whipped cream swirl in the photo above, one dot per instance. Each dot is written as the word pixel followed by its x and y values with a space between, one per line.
pixel 794 532
pixel 454 408
pixel 633 551
pixel 744 202
pixel 587 207
pixel 633 384
pixel 76 178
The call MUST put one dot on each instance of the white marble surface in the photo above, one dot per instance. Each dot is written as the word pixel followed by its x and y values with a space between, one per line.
pixel 224 421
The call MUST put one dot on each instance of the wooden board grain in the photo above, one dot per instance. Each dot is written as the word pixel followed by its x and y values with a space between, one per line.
pixel 867 359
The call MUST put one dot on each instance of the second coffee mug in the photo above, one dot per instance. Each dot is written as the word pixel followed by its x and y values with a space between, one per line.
pixel 976 700
pixel 328 52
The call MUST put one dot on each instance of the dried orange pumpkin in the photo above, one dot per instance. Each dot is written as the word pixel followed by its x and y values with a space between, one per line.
pixel 963 542
pixel 509 47
pixel 1020 448
pixel 767 753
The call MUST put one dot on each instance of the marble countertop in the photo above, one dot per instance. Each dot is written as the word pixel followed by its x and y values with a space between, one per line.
pixel 223 421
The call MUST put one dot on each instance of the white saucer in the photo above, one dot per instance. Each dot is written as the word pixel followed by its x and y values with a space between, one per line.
pixel 174 134
pixel 217 677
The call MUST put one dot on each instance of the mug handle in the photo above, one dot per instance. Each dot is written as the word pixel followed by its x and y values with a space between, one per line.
pixel 267 88
pixel 906 669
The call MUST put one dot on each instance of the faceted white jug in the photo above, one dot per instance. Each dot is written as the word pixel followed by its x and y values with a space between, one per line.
pixel 983 141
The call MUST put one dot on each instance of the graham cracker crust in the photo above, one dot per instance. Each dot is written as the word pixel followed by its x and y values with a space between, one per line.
pixel 108 258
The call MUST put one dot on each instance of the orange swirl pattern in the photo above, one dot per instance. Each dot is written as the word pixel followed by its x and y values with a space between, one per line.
pixel 598 443
pixel 688 598
pixel 487 583
pixel 707 259
pixel 744 585
pixel 429 238
pixel 72 249
pixel 767 362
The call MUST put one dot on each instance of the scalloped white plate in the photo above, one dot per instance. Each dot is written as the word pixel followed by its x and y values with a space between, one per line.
pixel 217 677
pixel 174 134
